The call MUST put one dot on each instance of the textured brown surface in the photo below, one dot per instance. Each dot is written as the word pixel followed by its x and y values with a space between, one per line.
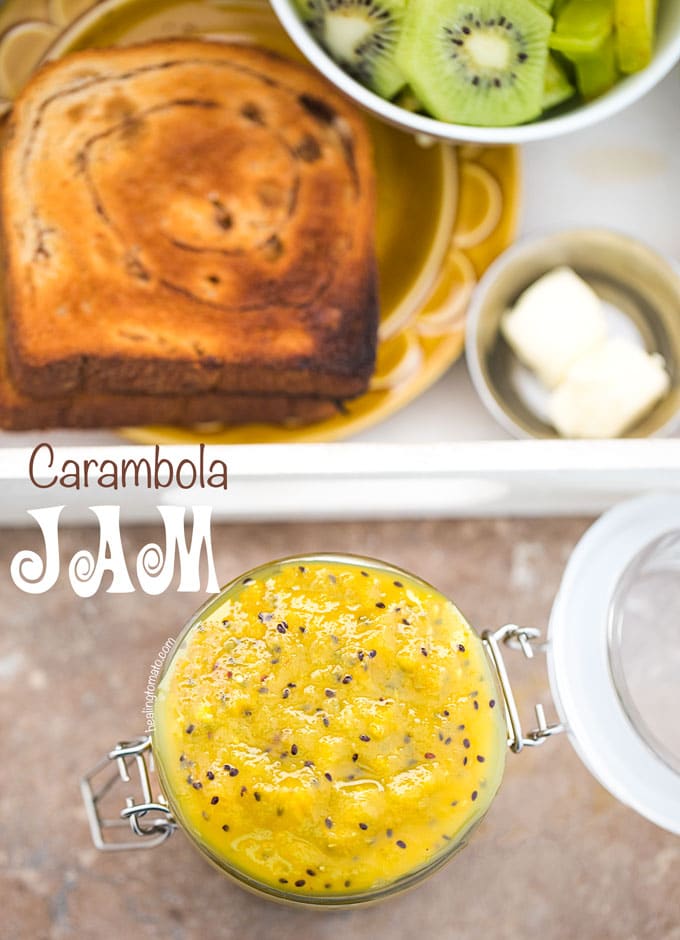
pixel 182 216
pixel 18 412
pixel 556 858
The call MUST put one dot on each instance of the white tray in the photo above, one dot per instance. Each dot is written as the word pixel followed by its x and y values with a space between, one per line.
pixel 624 174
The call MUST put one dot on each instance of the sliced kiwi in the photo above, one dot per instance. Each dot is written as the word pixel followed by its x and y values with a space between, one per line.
pixel 476 61
pixel 597 73
pixel 361 36
pixel 546 5
pixel 407 100
pixel 582 27
pixel 557 87
pixel 635 33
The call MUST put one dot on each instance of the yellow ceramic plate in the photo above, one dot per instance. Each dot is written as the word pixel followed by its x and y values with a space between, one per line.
pixel 443 214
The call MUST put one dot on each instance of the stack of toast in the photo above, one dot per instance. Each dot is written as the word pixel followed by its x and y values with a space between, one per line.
pixel 188 233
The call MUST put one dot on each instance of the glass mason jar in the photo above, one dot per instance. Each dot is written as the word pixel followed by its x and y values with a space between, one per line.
pixel 329 730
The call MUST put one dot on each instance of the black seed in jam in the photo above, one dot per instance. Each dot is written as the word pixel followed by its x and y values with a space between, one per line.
pixel 190 728
pixel 328 777
pixel 283 881
pixel 380 605
pixel 300 883
pixel 258 796
pixel 328 885
pixel 455 803
pixel 330 693
pixel 247 713
pixel 301 569
pixel 215 800
pixel 475 704
pixel 197 785
pixel 291 685
pixel 364 737
pixel 466 742
pixel 328 822
pixel 446 713
pixel 309 763
pixel 461 648
pixel 244 790
pixel 447 741
pixel 326 721
pixel 407 623
pixel 373 654
pixel 461 727
pixel 282 627
pixel 311 872
pixel 248 581
pixel 429 755
pixel 363 826
pixel 302 629
pixel 285 693
pixel 279 810
pixel 480 758
pixel 346 680
pixel 389 833
pixel 400 843
pixel 397 584
pixel 473 795
pixel 233 772
pixel 465 760
pixel 293 749
pixel 225 828
pixel 423 651
pixel 210 775
pixel 263 618
pixel 365 573
pixel 492 703
pixel 355 757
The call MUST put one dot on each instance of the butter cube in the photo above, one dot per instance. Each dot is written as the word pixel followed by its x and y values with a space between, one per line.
pixel 556 321
pixel 608 391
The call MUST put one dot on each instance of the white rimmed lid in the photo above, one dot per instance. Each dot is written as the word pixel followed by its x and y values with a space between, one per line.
pixel 596 710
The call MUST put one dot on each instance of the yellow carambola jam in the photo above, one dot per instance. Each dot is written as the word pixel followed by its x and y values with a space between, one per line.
pixel 328 728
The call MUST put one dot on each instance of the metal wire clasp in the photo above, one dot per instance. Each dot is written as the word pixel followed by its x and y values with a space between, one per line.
pixel 150 819
pixel 524 639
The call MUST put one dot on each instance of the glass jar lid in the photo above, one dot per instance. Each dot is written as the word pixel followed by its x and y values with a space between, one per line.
pixel 614 654
pixel 644 645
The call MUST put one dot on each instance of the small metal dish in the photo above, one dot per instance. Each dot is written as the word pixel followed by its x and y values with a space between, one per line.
pixel 641 291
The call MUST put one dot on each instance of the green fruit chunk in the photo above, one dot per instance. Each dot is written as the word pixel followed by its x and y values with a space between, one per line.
pixel 557 88
pixel 479 62
pixel 635 33
pixel 582 27
pixel 546 5
pixel 361 36
pixel 596 74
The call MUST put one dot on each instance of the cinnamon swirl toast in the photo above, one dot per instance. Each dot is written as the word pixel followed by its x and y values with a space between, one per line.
pixel 184 218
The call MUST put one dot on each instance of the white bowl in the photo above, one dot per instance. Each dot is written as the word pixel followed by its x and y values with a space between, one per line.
pixel 624 93
pixel 628 275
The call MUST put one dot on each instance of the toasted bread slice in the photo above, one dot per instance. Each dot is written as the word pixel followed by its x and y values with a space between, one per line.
pixel 184 217
pixel 20 413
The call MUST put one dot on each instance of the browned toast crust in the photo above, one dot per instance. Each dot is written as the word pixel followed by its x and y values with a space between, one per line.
pixel 184 217
pixel 89 411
